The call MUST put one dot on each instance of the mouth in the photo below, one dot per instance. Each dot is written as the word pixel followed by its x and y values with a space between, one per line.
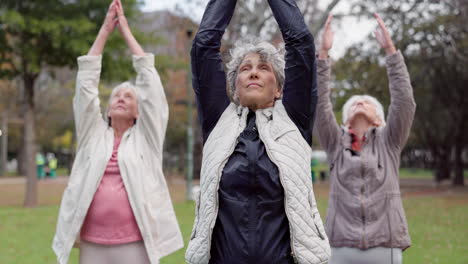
pixel 253 85
pixel 121 107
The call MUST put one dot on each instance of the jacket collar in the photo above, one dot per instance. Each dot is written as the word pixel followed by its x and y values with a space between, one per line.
pixel 347 137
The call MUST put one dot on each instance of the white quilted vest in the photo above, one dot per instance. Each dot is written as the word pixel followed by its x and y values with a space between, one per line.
pixel 288 150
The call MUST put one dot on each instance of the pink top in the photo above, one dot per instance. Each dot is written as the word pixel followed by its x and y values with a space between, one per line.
pixel 110 218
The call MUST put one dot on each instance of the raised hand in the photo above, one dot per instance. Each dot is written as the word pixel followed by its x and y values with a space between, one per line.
pixel 122 22
pixel 109 23
pixel 327 39
pixel 125 31
pixel 107 28
pixel 383 37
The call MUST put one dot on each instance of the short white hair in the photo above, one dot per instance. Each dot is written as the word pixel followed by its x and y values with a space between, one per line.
pixel 378 107
pixel 116 89
pixel 267 53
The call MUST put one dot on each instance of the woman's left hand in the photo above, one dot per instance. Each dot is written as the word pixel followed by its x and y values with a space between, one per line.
pixel 125 31
pixel 122 20
pixel 383 37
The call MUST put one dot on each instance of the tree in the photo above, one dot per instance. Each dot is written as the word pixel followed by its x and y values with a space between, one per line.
pixel 40 33
pixel 434 40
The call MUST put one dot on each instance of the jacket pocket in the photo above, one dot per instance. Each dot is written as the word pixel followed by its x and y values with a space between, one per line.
pixel 320 231
pixel 397 222
pixel 319 226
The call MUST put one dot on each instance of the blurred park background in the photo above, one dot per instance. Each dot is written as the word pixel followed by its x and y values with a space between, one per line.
pixel 41 39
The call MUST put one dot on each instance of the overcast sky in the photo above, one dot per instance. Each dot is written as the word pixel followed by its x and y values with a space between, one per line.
pixel 353 32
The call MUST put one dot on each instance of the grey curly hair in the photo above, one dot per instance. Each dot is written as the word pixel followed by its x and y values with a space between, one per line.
pixel 267 53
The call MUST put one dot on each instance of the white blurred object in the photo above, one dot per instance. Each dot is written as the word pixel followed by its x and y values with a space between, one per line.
pixel 319 155
pixel 195 191
pixel 0 132
pixel 12 165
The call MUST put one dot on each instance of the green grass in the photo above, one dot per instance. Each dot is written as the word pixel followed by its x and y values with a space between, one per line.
pixel 437 225
pixel 439 230
pixel 61 171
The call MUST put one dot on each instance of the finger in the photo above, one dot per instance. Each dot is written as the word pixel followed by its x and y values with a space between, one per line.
pixel 328 22
pixel 120 5
pixel 112 7
pixel 380 21
pixel 119 9
pixel 378 35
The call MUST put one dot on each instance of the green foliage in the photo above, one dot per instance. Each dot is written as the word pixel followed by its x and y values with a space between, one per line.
pixel 55 32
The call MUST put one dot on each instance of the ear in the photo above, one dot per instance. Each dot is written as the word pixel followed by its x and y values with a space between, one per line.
pixel 377 122
pixel 278 93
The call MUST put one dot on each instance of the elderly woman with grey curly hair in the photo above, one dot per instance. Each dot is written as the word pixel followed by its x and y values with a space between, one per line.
pixel 256 203
pixel 365 219
pixel 117 202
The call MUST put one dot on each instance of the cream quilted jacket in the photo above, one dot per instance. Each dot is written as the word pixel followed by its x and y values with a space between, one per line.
pixel 140 161
pixel 289 151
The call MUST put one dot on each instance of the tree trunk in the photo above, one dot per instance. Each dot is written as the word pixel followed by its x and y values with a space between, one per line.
pixel 459 179
pixel 443 166
pixel 21 169
pixel 4 145
pixel 29 143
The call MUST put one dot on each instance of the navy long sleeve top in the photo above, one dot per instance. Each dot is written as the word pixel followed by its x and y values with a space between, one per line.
pixel 251 225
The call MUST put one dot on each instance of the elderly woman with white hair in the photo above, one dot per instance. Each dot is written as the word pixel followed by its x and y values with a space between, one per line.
pixel 256 203
pixel 117 201
pixel 365 220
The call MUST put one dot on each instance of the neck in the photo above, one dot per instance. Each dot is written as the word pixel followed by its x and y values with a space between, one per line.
pixel 360 125
pixel 120 126
pixel 255 107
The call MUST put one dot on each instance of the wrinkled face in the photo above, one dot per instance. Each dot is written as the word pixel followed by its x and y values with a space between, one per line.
pixel 256 84
pixel 364 108
pixel 123 105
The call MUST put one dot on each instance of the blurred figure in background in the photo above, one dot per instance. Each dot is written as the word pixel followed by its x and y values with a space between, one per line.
pixel 40 165
pixel 52 165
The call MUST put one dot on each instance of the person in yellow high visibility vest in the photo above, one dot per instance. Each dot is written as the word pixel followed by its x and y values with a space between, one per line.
pixel 52 166
pixel 40 162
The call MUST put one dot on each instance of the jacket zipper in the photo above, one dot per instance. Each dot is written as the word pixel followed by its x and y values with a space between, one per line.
pixel 219 173
pixel 291 230
pixel 363 216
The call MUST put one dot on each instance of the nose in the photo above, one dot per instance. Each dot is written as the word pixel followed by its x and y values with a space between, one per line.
pixel 253 73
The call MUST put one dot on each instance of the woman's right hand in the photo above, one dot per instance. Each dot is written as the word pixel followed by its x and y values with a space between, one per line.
pixel 107 28
pixel 327 39
pixel 110 21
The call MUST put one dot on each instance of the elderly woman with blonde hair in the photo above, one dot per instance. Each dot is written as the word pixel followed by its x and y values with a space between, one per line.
pixel 256 203
pixel 365 220
pixel 117 201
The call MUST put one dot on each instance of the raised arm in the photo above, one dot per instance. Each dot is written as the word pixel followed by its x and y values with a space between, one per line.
pixel 153 111
pixel 86 104
pixel 209 78
pixel 327 127
pixel 300 88
pixel 402 105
